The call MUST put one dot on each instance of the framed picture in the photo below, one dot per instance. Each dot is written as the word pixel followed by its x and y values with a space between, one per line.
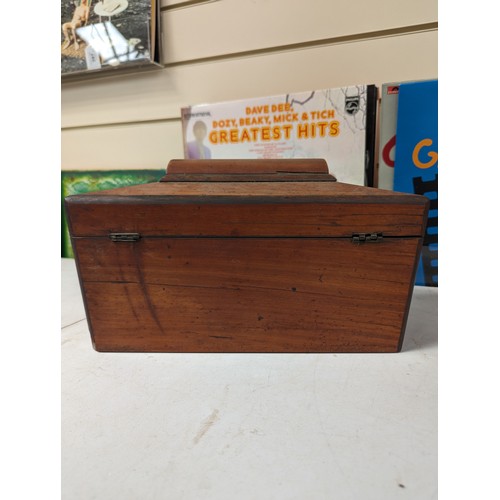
pixel 108 35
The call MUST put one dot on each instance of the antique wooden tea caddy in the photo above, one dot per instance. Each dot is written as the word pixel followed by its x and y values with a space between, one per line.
pixel 247 256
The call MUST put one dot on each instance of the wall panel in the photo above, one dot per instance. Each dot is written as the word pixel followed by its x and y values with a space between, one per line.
pixel 228 26
pixel 160 94
pixel 130 146
pixel 219 50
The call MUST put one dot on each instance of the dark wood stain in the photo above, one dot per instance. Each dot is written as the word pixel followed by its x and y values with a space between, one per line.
pixel 145 288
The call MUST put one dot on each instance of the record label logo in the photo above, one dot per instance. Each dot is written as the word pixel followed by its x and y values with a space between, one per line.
pixel 352 104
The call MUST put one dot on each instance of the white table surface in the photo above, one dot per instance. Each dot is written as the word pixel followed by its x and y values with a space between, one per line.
pixel 248 426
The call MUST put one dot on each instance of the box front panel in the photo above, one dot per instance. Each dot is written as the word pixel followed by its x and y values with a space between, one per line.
pixel 247 294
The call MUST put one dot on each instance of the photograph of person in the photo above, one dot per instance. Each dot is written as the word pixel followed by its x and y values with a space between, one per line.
pixel 196 149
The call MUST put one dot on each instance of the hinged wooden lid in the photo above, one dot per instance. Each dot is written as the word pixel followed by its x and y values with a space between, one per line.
pixel 247 198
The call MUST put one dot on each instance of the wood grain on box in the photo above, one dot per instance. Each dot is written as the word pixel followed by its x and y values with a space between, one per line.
pixel 307 266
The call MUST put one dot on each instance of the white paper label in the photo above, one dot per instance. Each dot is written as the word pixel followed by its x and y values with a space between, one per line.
pixel 92 58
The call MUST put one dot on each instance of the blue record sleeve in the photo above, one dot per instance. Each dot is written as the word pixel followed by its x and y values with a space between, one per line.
pixel 416 163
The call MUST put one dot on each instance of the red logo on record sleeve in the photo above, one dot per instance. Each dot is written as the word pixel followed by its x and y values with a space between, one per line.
pixel 393 89
pixel 386 152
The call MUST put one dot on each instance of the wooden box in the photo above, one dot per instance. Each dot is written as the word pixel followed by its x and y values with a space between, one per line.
pixel 216 259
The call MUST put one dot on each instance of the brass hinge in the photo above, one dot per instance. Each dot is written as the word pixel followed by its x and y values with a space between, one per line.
pixel 367 237
pixel 124 236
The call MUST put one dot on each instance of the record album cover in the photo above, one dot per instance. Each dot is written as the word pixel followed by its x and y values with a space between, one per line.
pixel 336 124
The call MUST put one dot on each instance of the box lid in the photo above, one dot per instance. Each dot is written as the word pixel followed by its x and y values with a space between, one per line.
pixel 245 198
